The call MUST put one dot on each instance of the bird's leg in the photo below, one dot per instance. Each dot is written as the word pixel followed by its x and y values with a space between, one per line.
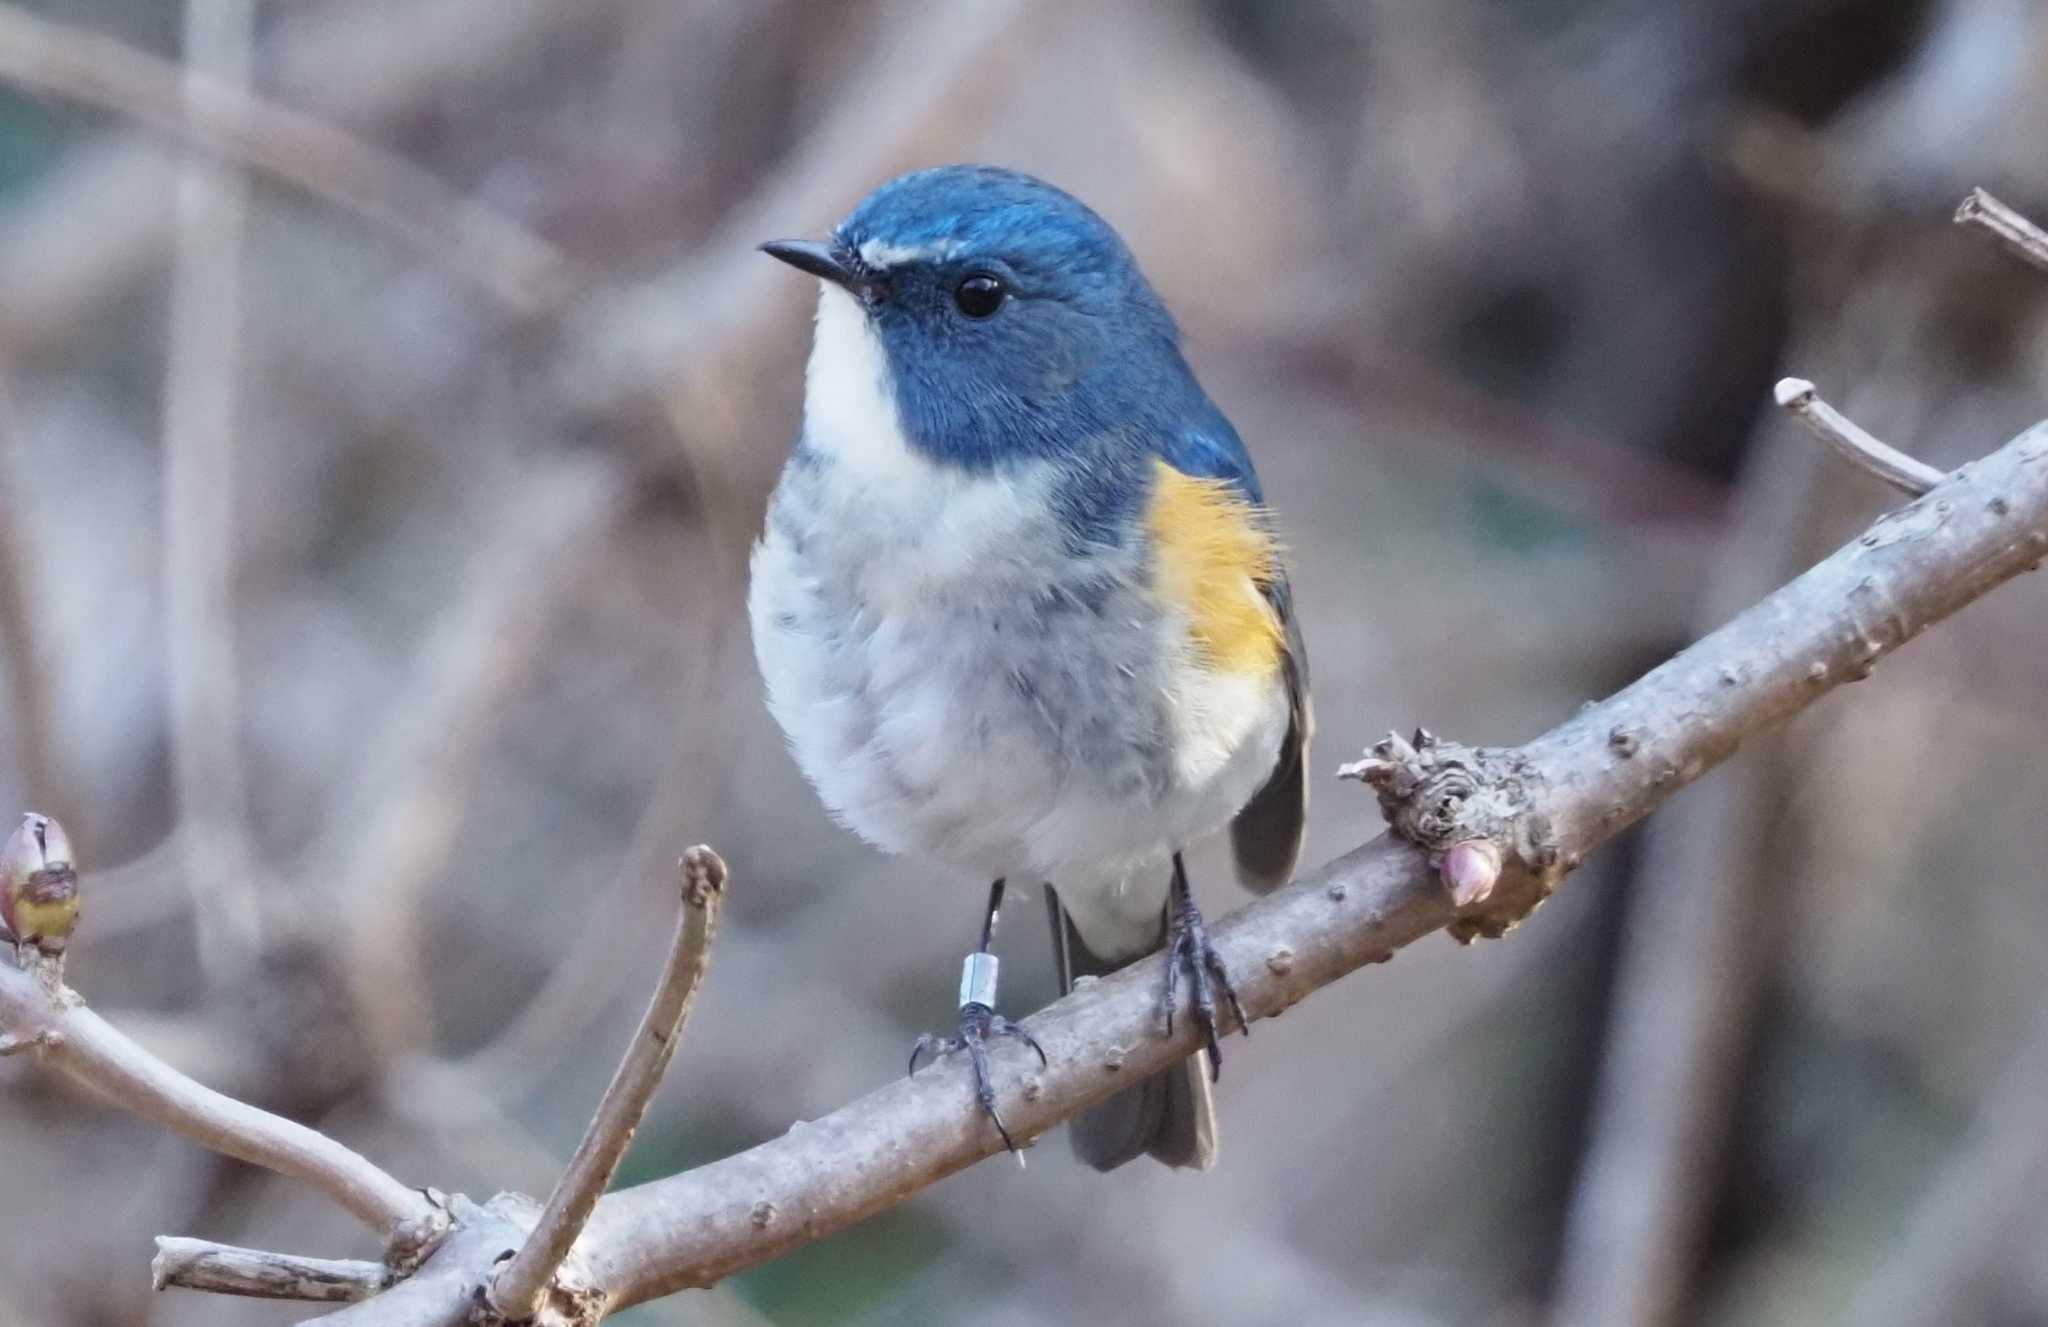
pixel 979 1020
pixel 1187 945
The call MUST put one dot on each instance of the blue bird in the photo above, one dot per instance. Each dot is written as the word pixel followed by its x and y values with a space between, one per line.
pixel 1019 605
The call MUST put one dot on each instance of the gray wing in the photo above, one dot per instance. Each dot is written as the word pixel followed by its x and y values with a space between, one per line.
pixel 1266 834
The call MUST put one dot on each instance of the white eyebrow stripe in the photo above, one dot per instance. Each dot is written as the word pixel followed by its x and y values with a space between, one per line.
pixel 882 256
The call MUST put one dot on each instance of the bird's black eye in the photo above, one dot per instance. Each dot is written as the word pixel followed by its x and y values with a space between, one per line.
pixel 979 296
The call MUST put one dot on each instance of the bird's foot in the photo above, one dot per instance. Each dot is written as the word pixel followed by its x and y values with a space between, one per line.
pixel 1187 946
pixel 979 1024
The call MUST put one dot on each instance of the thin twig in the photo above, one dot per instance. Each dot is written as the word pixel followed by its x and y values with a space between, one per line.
pixel 2008 227
pixel 201 391
pixel 522 271
pixel 224 1269
pixel 66 1036
pixel 1852 442
pixel 521 1287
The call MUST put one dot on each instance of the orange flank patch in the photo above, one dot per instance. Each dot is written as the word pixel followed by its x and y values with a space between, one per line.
pixel 1212 553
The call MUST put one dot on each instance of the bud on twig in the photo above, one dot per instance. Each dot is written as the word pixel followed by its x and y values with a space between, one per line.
pixel 1470 869
pixel 39 885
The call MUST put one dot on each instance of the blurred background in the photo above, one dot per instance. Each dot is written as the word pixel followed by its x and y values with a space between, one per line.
pixel 373 528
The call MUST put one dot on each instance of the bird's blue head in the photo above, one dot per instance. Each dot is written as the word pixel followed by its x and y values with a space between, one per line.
pixel 1012 320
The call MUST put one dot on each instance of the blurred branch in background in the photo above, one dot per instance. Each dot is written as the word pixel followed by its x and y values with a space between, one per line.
pixel 1707 889
pixel 29 700
pixel 202 395
pixel 209 110
pixel 396 827
pixel 1972 1220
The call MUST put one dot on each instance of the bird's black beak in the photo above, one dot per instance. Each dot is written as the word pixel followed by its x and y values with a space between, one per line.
pixel 827 262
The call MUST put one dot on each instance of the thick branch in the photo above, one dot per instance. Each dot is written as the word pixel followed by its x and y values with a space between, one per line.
pixel 1568 791
pixel 444 1292
pixel 223 1269
pixel 521 1287
pixel 52 59
pixel 71 1039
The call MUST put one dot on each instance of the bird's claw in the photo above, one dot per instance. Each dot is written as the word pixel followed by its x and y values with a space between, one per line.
pixel 978 1026
pixel 1188 946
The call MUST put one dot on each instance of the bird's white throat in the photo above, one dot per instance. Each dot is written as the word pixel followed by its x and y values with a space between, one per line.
pixel 850 409
pixel 914 522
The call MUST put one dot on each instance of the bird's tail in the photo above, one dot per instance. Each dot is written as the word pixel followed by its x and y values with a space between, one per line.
pixel 1170 1116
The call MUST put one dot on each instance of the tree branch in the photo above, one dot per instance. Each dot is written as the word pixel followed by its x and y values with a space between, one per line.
pixel 2008 227
pixel 1539 807
pixel 521 1287
pixel 54 1023
pixel 1550 802
pixel 1852 442
pixel 223 1269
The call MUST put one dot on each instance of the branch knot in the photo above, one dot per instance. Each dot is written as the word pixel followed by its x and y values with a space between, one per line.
pixel 1472 810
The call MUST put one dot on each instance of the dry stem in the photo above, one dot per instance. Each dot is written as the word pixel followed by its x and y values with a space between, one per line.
pixel 224 1269
pixel 522 1286
pixel 53 1023
pixel 1852 442
pixel 2008 227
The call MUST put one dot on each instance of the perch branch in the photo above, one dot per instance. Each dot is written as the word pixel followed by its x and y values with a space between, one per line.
pixel 521 1287
pixel 52 59
pixel 1543 805
pixel 2008 227
pixel 63 1034
pixel 1852 442
pixel 223 1269
pixel 1565 793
